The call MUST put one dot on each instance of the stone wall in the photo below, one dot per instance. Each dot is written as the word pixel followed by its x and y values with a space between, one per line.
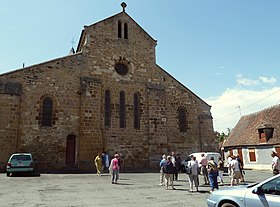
pixel 9 126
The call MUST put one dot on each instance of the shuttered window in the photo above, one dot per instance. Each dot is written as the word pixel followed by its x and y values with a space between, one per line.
pixel 252 155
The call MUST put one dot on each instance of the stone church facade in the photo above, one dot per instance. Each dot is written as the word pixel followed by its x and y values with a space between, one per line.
pixel 110 95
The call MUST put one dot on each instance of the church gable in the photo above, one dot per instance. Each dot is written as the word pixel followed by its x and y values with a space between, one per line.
pixel 119 31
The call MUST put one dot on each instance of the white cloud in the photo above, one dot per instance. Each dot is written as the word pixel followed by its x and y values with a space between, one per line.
pixel 242 81
pixel 271 80
pixel 225 108
pixel 246 81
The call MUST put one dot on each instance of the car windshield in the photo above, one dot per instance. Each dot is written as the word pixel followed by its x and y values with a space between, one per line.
pixel 21 157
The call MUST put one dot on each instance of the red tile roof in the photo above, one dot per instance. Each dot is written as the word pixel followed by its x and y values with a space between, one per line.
pixel 246 130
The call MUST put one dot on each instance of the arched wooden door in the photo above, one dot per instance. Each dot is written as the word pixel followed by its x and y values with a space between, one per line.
pixel 70 149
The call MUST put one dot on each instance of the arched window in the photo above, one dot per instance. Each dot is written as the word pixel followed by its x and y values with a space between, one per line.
pixel 125 31
pixel 47 112
pixel 182 119
pixel 136 111
pixel 119 29
pixel 122 109
pixel 107 118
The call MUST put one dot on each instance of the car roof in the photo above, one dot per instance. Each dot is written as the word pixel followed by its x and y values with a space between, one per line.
pixel 21 154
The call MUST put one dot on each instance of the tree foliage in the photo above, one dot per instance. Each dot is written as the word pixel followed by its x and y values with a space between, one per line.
pixel 220 137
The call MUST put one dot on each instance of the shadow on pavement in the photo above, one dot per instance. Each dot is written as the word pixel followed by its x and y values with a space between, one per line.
pixel 122 184
pixel 25 175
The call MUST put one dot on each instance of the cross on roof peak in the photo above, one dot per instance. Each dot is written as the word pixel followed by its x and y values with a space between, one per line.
pixel 123 4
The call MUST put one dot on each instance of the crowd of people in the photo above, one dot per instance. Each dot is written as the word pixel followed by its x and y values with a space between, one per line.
pixel 170 167
pixel 211 171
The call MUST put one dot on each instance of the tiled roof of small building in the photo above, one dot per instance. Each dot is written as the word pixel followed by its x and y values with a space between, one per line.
pixel 246 130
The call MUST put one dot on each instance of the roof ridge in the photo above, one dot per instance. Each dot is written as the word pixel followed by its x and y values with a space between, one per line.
pixel 265 109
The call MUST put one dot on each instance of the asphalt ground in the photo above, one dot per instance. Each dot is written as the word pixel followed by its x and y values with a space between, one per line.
pixel 83 190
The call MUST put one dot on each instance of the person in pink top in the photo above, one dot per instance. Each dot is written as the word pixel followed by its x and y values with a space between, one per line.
pixel 114 169
pixel 204 163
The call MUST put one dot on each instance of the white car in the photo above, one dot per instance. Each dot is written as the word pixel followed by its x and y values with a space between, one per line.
pixel 216 156
pixel 264 194
pixel 20 163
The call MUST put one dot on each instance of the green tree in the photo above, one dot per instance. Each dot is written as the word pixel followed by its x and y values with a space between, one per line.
pixel 220 137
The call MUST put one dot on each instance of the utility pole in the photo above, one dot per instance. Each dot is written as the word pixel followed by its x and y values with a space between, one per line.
pixel 239 110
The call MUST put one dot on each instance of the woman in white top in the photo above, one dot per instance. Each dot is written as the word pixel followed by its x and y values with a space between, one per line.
pixel 193 176
pixel 275 163
pixel 234 164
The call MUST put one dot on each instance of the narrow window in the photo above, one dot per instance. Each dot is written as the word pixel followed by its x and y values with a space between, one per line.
pixel 47 112
pixel 182 119
pixel 119 29
pixel 125 31
pixel 252 155
pixel 136 111
pixel 122 110
pixel 107 118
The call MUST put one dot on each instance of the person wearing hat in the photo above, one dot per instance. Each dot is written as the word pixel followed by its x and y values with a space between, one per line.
pixel 161 164
pixel 275 163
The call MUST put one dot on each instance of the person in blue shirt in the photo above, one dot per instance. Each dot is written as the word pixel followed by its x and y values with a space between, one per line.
pixel 161 164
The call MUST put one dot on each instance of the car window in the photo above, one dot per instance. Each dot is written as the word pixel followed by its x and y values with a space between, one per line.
pixel 21 157
pixel 272 187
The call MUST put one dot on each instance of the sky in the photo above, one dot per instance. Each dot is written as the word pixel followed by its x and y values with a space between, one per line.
pixel 225 51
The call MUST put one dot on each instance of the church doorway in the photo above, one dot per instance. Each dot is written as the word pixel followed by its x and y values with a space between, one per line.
pixel 70 149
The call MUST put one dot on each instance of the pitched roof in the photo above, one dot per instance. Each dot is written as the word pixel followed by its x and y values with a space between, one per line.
pixel 246 130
